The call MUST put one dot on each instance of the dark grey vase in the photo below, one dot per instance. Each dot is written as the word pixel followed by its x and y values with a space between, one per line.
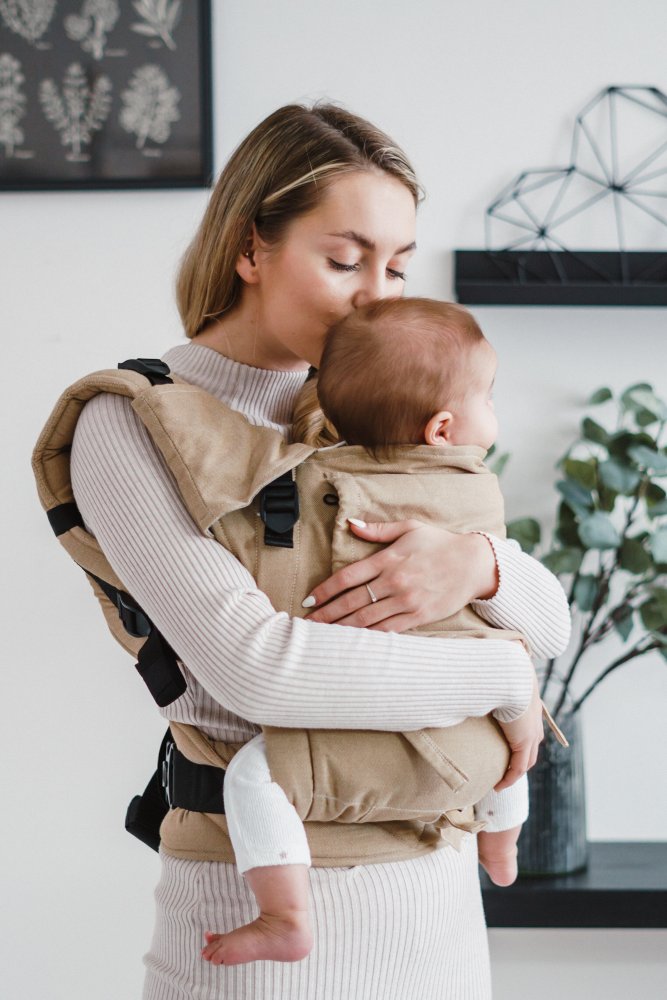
pixel 553 839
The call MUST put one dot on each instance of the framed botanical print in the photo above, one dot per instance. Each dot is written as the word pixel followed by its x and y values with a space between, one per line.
pixel 104 94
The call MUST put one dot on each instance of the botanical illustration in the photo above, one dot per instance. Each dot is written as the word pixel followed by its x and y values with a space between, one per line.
pixel 12 103
pixel 92 25
pixel 27 18
pixel 79 111
pixel 159 18
pixel 151 105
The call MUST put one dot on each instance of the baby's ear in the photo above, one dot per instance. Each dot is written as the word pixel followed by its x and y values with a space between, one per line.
pixel 439 428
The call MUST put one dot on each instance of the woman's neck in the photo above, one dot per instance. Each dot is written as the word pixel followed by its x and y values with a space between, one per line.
pixel 239 336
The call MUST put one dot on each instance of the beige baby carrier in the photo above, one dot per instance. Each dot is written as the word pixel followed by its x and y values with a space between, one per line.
pixel 281 509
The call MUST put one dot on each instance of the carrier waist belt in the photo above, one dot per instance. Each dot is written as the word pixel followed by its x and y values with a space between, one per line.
pixel 197 787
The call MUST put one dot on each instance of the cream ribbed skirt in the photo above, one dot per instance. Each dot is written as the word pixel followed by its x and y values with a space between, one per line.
pixel 401 931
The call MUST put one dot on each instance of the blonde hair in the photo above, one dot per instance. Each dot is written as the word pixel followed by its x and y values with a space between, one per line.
pixel 390 365
pixel 280 171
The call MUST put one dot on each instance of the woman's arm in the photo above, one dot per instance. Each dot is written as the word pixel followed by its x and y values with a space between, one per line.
pixel 263 665
pixel 529 599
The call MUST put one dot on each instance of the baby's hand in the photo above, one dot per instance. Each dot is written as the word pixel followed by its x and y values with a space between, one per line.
pixel 497 854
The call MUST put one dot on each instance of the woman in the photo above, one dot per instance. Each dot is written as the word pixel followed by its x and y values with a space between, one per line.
pixel 313 215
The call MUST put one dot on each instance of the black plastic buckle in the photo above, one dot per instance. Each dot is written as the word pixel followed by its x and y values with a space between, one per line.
pixel 134 620
pixel 279 510
pixel 155 370
pixel 167 773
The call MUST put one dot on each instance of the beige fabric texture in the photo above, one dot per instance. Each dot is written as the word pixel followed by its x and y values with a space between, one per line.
pixel 364 796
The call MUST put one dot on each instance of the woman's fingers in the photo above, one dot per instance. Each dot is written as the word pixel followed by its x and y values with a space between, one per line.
pixel 359 573
pixel 524 736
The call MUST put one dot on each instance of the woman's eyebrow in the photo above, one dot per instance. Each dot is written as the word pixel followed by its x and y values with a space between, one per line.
pixel 367 244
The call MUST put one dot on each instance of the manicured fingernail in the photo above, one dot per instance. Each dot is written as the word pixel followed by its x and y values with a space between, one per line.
pixel 356 522
pixel 309 602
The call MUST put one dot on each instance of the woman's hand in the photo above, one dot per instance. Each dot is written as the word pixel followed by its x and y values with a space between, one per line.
pixel 524 736
pixel 423 575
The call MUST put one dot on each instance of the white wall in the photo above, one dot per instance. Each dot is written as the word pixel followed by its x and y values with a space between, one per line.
pixel 475 92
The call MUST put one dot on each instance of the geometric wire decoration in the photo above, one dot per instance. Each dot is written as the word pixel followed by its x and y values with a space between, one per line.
pixel 619 158
pixel 615 185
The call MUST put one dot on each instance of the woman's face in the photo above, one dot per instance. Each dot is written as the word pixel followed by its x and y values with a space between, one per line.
pixel 351 249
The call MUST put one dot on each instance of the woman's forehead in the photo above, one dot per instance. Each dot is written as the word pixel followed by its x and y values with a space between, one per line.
pixel 367 206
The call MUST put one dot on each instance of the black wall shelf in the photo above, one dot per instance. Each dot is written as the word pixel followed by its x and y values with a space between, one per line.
pixel 624 886
pixel 560 278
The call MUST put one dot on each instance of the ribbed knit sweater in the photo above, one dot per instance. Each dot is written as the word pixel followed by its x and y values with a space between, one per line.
pixel 247 665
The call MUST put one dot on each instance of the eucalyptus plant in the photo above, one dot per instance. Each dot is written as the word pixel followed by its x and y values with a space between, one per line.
pixel 609 546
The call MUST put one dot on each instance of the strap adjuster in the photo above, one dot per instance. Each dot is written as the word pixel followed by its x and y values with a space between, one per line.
pixel 134 620
pixel 279 510
pixel 167 775
pixel 155 370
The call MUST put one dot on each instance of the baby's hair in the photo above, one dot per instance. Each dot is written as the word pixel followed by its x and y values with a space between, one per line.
pixel 390 365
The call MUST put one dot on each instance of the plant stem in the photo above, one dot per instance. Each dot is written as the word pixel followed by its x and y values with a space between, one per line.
pixel 630 655
pixel 597 603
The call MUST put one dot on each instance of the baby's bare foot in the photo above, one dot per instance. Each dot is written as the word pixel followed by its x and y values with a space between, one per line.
pixel 278 938
pixel 501 869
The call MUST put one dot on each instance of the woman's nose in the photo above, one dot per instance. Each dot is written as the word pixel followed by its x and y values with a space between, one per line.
pixel 373 286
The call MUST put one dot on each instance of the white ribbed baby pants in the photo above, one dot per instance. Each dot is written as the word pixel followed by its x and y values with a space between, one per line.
pixel 263 825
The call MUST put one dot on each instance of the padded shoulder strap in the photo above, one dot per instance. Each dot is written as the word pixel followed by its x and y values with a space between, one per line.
pixel 50 458
pixel 157 662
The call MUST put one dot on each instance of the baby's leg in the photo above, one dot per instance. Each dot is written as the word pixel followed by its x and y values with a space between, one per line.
pixel 271 849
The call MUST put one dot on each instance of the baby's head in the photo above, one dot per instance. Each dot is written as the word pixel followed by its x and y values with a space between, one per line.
pixel 409 371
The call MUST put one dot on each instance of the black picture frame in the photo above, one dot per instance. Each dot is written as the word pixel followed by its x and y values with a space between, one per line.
pixel 92 105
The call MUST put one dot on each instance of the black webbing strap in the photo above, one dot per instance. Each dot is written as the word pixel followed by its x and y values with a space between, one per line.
pixel 177 784
pixel 197 787
pixel 146 812
pixel 63 517
pixel 279 510
pixel 156 661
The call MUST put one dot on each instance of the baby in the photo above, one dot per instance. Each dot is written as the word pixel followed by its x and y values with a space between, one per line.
pixel 397 372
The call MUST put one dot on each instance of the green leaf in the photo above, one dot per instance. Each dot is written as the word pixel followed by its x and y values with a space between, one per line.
pixel 600 396
pixel 654 494
pixel 622 441
pixel 658 545
pixel 644 399
pixel 585 592
pixel 618 477
pixel 599 532
pixel 581 472
pixel 624 624
pixel 576 497
pixel 627 396
pixel 567 560
pixel 593 431
pixel 645 418
pixel 649 459
pixel 634 557
pixel 654 614
pixel 657 509
pixel 566 528
pixel 526 531
pixel 499 463
pixel 606 497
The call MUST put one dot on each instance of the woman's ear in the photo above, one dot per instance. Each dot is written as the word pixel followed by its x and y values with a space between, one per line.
pixel 439 428
pixel 246 267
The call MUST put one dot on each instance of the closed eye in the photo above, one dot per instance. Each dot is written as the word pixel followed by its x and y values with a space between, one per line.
pixel 337 266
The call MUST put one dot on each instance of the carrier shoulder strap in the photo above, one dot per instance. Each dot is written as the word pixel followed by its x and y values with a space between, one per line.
pixel 156 660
